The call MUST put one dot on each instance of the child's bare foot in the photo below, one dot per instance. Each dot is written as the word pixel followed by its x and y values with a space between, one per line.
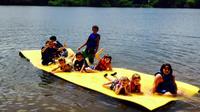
pixel 105 75
pixel 113 74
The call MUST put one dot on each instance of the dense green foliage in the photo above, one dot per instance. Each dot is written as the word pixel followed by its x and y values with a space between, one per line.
pixel 175 3
pixel 109 3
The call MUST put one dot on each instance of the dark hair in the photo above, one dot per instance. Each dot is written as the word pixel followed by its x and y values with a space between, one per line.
pixel 96 27
pixel 61 59
pixel 107 56
pixel 53 38
pixel 163 66
pixel 79 53
pixel 47 41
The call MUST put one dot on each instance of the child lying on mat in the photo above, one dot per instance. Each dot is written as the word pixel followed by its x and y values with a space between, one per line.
pixel 64 67
pixel 134 85
pixel 104 63
pixel 120 86
pixel 80 63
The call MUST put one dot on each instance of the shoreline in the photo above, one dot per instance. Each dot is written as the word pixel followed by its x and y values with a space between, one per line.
pixel 97 7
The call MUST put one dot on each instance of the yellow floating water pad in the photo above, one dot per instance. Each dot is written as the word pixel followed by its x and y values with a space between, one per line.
pixel 94 82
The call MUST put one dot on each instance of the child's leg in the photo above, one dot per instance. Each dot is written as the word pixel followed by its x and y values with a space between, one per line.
pixel 108 78
pixel 114 75
pixel 97 55
pixel 106 86
pixel 88 62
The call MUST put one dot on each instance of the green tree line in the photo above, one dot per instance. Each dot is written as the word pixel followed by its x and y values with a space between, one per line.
pixel 109 3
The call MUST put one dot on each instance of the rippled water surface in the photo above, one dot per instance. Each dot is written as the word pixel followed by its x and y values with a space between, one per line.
pixel 139 39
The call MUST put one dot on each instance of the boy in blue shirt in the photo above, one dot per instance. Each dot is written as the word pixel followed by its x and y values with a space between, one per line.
pixel 92 44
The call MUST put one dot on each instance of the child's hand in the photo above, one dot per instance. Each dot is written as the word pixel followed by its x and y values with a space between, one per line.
pixel 52 72
pixel 129 94
pixel 140 93
pixel 82 71
pixel 79 49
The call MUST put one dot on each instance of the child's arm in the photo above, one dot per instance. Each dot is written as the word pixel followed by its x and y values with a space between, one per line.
pixel 82 69
pixel 157 80
pixel 44 49
pixel 139 90
pixel 118 89
pixel 90 70
pixel 82 45
pixel 53 70
pixel 64 47
pixel 126 91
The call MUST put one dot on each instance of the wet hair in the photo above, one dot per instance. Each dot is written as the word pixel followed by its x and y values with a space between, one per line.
pixel 79 53
pixel 107 56
pixel 163 66
pixel 96 27
pixel 53 38
pixel 61 59
pixel 135 76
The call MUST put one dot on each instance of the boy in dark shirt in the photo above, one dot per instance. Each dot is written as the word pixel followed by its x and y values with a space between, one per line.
pixel 48 52
pixel 54 39
pixel 80 63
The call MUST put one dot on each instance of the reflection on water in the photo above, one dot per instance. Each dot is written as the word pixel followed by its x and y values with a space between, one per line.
pixel 47 78
pixel 139 39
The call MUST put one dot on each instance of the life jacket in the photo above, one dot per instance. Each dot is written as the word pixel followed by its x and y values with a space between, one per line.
pixel 168 84
pixel 102 65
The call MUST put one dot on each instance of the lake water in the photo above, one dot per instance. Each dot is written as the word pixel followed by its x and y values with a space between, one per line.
pixel 137 38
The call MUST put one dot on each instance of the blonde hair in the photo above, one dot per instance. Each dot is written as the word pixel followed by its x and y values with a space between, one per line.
pixel 135 76
pixel 124 78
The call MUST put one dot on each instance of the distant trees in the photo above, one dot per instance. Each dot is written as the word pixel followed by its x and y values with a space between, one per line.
pixel 175 3
pixel 93 3
pixel 109 3
pixel 23 2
